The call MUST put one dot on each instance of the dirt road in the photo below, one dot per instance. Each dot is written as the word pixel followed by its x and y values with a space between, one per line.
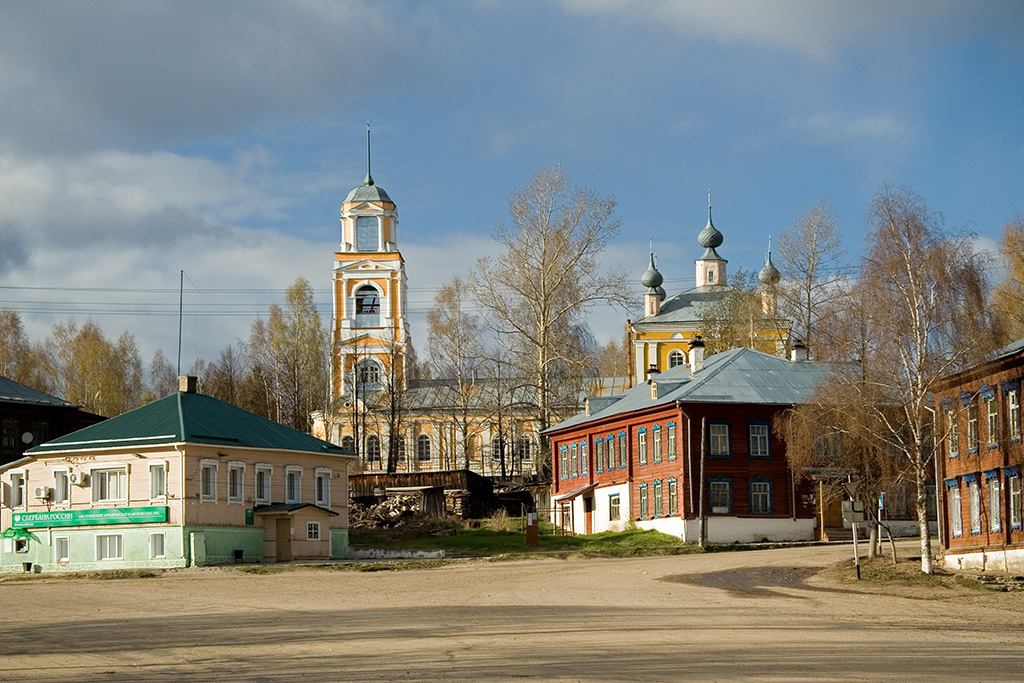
pixel 728 616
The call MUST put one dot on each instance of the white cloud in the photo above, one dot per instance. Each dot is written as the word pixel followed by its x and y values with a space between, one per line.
pixel 838 126
pixel 816 29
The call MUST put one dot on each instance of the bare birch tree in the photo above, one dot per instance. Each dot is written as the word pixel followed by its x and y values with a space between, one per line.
pixel 548 274
pixel 810 253
pixel 922 290
pixel 1008 294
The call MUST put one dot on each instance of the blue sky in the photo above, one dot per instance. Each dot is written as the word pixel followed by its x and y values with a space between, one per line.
pixel 140 138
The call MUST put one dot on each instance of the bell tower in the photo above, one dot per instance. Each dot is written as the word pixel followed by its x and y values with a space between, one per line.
pixel 370 332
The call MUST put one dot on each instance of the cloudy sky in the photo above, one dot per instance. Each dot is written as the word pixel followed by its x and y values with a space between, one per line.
pixel 141 138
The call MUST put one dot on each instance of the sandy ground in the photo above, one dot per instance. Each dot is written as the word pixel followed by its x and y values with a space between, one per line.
pixel 762 615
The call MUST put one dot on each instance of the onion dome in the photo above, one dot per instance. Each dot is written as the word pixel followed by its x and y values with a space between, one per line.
pixel 651 278
pixel 769 275
pixel 661 293
pixel 710 237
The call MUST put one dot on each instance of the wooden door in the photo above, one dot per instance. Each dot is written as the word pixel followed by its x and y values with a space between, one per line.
pixel 588 514
pixel 283 529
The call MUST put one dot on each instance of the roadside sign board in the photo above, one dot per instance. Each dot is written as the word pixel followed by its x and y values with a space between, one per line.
pixel 851 488
pixel 853 510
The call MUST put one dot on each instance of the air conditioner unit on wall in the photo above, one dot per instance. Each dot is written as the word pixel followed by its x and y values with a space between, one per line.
pixel 78 478
pixel 42 492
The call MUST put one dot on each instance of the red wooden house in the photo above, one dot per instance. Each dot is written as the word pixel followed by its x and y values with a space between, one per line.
pixel 694 438
pixel 981 459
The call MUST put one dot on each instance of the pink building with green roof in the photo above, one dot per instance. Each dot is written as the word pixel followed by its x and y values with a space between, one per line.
pixel 185 480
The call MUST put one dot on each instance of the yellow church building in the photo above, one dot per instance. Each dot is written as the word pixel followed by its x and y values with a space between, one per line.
pixel 661 338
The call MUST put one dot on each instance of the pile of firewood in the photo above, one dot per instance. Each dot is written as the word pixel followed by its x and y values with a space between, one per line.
pixel 389 512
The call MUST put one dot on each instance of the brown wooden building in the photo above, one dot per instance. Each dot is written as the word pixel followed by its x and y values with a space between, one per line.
pixel 692 441
pixel 981 458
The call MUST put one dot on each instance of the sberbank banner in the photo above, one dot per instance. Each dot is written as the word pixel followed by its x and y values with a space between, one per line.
pixel 95 516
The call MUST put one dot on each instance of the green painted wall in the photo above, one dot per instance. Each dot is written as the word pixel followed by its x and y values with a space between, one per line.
pixel 135 548
pixel 220 543
pixel 339 544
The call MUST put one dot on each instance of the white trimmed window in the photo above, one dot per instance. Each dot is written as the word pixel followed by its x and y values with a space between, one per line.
pixel 1013 413
pixel 760 497
pixel 659 501
pixel 109 484
pixel 613 508
pixel 673 497
pixel 676 358
pixel 423 448
pixel 641 447
pixel 1013 483
pixel 262 484
pixel 323 487
pixel 953 439
pixel 312 531
pixel 157 481
pixel 994 506
pixel 156 545
pixel 236 482
pixel 719 439
pixel 293 484
pixel 656 443
pixel 19 486
pixel 720 494
pixel 974 501
pixel 644 511
pixel 109 547
pixel 956 519
pixel 208 480
pixel 671 441
pixel 993 421
pixel 759 441
pixel 61 549
pixel 972 426
pixel 61 487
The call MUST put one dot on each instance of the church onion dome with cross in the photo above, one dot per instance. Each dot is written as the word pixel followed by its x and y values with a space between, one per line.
pixel 661 338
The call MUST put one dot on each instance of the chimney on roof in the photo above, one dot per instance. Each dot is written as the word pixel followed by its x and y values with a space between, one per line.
pixel 696 354
pixel 652 370
pixel 800 352
pixel 188 384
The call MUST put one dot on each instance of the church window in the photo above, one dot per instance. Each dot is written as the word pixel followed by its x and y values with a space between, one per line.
pixel 369 373
pixel 423 448
pixel 367 306
pixel 711 276
pixel 367 233
pixel 372 449
pixel 676 358
pixel 523 448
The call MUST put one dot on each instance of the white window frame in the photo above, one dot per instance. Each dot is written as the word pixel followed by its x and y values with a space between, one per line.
pixel 58 541
pixel 641 447
pixel 972 427
pixel 423 447
pixel 289 471
pixel 262 469
pixel 656 452
pixel 953 438
pixel 614 509
pixel 718 435
pixel 720 489
pixel 974 501
pixel 61 484
pixel 322 474
pixel 158 482
pixel 208 465
pixel 760 442
pixel 101 473
pixel 1013 483
pixel 956 512
pixel 760 497
pixel 1013 413
pixel 994 504
pixel 19 490
pixel 153 536
pixel 236 469
pixel 671 441
pixel 103 542
pixel 992 421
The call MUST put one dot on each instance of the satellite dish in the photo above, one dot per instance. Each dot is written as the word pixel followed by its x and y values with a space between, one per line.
pixel 27 437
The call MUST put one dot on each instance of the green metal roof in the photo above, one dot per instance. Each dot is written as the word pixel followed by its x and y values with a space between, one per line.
pixel 192 418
